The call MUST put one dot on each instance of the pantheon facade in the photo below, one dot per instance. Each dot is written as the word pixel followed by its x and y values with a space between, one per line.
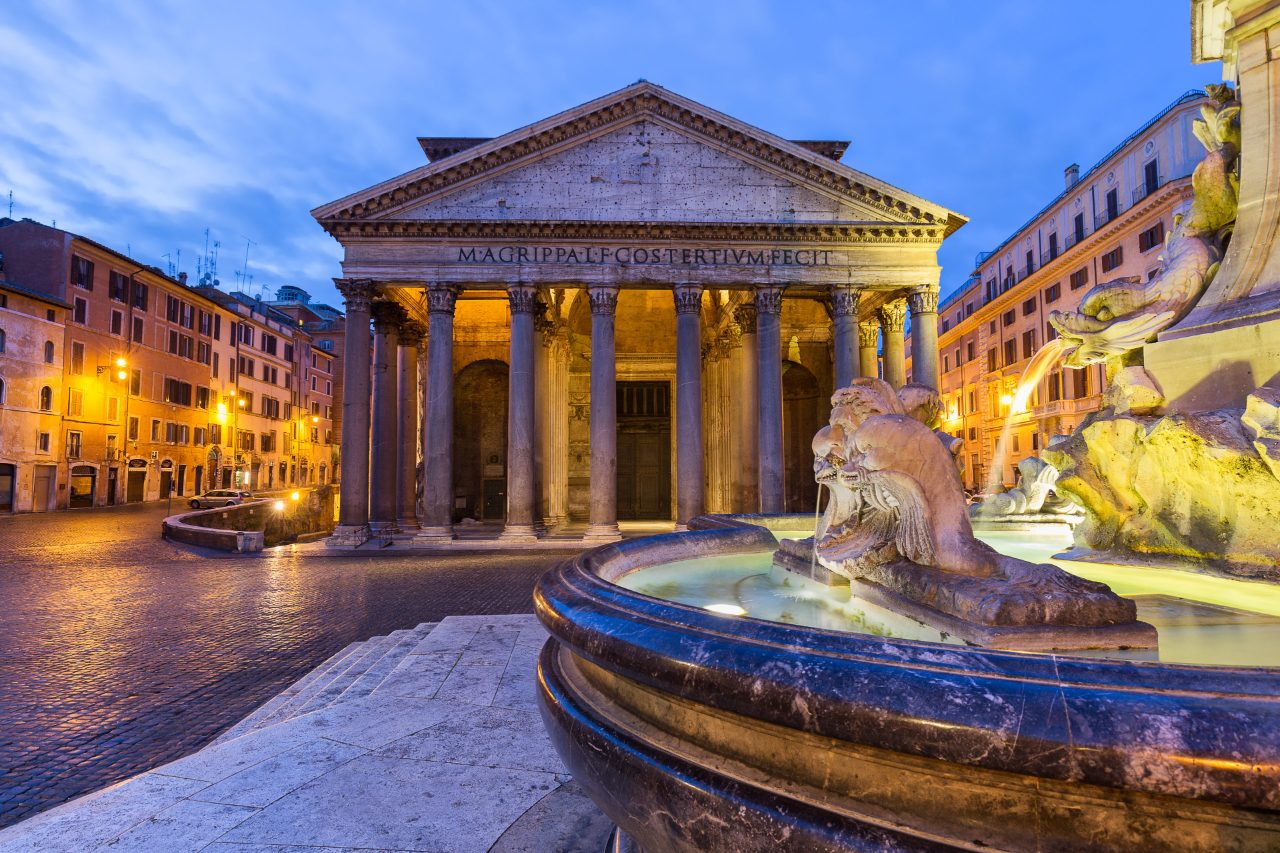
pixel 634 309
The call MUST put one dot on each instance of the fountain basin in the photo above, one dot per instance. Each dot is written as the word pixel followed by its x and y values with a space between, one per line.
pixel 696 731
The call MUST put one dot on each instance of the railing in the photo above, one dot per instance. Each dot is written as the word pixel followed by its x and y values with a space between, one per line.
pixel 1025 271
pixel 1049 255
pixel 1073 237
pixel 1145 190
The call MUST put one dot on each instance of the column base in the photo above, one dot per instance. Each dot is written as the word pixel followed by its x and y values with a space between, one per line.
pixel 406 529
pixel 518 533
pixel 602 533
pixel 348 536
pixel 434 535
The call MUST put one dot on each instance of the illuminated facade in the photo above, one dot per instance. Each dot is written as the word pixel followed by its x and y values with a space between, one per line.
pixel 1108 223
pixel 142 375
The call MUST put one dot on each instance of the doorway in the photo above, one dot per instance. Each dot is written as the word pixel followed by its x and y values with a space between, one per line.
pixel 45 478
pixel 166 483
pixel 480 441
pixel 136 489
pixel 6 487
pixel 83 480
pixel 644 451
pixel 802 417
pixel 113 481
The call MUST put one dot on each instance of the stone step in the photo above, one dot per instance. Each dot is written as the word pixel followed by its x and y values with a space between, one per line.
pixel 264 714
pixel 378 672
pixel 321 694
pixel 292 706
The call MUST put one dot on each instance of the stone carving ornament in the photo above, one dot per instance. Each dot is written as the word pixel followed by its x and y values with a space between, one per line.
pixel 1121 315
pixel 897 527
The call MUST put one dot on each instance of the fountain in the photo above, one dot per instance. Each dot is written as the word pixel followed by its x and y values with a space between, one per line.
pixel 846 683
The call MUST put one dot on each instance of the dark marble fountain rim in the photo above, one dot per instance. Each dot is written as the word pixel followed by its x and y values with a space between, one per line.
pixel 1192 731
pixel 605 565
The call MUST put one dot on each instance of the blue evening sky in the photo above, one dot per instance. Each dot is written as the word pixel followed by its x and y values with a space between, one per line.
pixel 141 124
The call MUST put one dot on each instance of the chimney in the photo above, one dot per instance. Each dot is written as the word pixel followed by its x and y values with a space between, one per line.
pixel 182 278
pixel 1072 175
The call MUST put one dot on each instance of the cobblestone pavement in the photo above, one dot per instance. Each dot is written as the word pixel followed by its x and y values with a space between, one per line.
pixel 120 651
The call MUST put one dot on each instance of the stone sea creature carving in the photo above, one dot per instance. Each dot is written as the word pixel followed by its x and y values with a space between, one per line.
pixel 1033 495
pixel 897 527
pixel 895 490
pixel 1123 314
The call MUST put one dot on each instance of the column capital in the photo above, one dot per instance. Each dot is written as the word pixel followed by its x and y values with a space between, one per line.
pixel 893 315
pixel 745 316
pixel 604 298
pixel 357 293
pixel 732 336
pixel 411 333
pixel 388 316
pixel 844 300
pixel 923 300
pixel 869 333
pixel 769 298
pixel 523 298
pixel 442 297
pixel 688 298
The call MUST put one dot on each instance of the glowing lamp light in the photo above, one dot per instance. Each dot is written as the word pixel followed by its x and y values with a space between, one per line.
pixel 120 362
pixel 240 402
pixel 279 506
pixel 726 609
pixel 315 419
pixel 297 496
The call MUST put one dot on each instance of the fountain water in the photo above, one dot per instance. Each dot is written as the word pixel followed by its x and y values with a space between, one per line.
pixel 1046 359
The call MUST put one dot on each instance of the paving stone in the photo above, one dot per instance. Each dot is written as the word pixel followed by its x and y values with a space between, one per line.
pixel 188 825
pixel 484 737
pixel 268 781
pixel 121 652
pixel 420 805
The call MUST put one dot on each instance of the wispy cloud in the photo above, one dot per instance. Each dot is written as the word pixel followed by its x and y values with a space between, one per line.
pixel 141 124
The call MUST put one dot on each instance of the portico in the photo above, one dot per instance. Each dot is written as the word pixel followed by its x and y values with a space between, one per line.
pixel 634 307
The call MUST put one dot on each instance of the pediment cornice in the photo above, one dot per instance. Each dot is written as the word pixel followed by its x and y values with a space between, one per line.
pixel 637 102
pixel 588 230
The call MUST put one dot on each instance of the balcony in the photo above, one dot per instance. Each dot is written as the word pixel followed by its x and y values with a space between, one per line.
pixel 1146 189
pixel 1024 272
pixel 1050 255
pixel 1074 237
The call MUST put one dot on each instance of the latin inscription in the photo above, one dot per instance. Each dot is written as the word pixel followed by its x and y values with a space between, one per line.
pixel 639 255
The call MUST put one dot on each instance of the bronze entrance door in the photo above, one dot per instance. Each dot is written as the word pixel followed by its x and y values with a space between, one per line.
pixel 644 451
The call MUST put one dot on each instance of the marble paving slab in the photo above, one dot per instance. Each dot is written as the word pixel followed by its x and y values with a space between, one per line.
pixel 448 753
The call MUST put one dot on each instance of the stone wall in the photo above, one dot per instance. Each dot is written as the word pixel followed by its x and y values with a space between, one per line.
pixel 255 525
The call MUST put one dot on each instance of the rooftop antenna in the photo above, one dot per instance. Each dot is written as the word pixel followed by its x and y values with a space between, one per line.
pixel 207 264
pixel 168 264
pixel 11 204
pixel 242 275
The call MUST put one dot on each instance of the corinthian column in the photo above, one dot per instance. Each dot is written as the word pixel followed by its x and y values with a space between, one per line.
pixel 748 410
pixel 353 506
pixel 690 483
pixel 437 438
pixel 769 373
pixel 868 346
pixel 893 316
pixel 844 322
pixel 924 336
pixel 411 335
pixel 603 517
pixel 387 317
pixel 520 429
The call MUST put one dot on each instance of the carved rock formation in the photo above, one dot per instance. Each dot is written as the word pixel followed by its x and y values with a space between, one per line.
pixel 1032 500
pixel 1198 486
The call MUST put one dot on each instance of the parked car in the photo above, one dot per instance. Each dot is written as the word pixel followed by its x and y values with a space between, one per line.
pixel 220 497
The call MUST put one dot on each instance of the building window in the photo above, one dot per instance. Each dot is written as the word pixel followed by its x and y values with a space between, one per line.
pixel 1050 332
pixel 117 286
pixel 1113 259
pixel 200 434
pixel 113 409
pixel 246 440
pixel 136 337
pixel 177 392
pixel 1015 443
pixel 1010 352
pixel 2 390
pixel 1150 178
pixel 75 402
pixel 946 363
pixel 968 351
pixel 1078 227
pixel 139 295
pixel 155 429
pixel 1151 238
pixel 42 442
pixel 82 272
pixel 133 428
pixel 328 388
pixel 73 445
pixel 1053 246
pixel 992 364
pixel 1080 383
pixel 1008 318
pixel 77 358
pixel 1035 441
pixel 326 345
pixel 1055 386
pixel 215 433
pixel 973 404
pixel 1079 278
pixel 50 315
pixel 80 314
pixel 1113 204
pixel 1052 292
pixel 1028 343
pixel 117 323
pixel 269 344
pixel 202 397
pixel 46 399
pixel 1029 307
pixel 2 337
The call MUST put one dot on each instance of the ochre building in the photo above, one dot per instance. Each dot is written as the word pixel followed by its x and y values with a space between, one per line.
pixel 635 309
pixel 1109 222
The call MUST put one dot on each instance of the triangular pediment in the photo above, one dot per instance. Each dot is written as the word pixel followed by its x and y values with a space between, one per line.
pixel 641 154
